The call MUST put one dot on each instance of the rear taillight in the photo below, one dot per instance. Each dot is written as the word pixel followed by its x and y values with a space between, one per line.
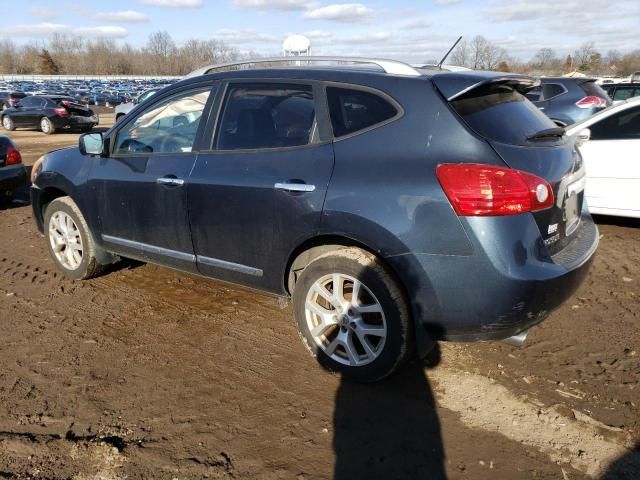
pixel 592 102
pixel 13 156
pixel 484 190
pixel 61 111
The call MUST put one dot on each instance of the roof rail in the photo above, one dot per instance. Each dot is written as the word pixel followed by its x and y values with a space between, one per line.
pixel 392 67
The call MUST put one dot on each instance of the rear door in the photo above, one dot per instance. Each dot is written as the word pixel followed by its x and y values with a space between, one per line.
pixel 259 191
pixel 509 122
pixel 612 157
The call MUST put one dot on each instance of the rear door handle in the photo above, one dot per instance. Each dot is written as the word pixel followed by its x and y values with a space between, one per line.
pixel 294 187
pixel 170 181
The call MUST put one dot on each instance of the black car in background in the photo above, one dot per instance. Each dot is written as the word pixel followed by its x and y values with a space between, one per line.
pixel 10 99
pixel 619 92
pixel 12 173
pixel 568 100
pixel 49 113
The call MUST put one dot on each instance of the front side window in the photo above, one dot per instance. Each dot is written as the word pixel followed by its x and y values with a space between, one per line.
pixel 267 116
pixel 354 110
pixel 169 126
pixel 621 126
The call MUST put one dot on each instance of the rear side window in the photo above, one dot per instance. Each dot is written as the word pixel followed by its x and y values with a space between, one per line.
pixel 501 114
pixel 355 110
pixel 267 116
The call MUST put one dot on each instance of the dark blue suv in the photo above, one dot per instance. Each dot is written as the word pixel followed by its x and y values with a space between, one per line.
pixel 395 207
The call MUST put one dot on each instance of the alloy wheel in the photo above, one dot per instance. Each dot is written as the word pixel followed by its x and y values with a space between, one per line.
pixel 66 241
pixel 345 319
pixel 44 125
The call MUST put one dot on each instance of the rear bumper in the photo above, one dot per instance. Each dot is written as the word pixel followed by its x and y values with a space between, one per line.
pixel 508 284
pixel 12 177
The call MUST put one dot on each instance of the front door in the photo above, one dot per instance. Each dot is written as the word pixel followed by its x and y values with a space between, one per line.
pixel 140 189
pixel 260 190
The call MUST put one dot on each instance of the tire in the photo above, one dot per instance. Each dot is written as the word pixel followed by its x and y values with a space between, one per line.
pixel 374 355
pixel 119 116
pixel 55 223
pixel 46 126
pixel 8 124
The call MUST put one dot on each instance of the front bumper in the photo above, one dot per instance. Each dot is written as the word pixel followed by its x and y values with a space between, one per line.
pixel 36 207
pixel 12 177
pixel 508 284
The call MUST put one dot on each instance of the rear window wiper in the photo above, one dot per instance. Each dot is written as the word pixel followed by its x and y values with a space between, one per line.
pixel 547 134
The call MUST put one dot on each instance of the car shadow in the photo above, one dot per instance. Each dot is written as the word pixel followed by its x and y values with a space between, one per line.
pixel 389 430
pixel 626 467
pixel 617 221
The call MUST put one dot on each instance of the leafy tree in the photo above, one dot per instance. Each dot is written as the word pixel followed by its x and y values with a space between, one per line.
pixel 47 65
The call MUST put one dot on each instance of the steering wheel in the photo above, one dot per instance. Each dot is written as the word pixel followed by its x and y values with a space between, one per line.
pixel 174 143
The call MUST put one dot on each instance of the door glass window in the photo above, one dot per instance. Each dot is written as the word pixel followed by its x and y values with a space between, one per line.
pixel 169 126
pixel 267 116
pixel 623 125
pixel 29 102
pixel 355 110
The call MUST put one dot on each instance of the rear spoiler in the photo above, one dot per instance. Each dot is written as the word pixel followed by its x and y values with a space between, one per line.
pixel 456 85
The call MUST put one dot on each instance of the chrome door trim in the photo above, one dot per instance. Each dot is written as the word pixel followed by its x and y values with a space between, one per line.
pixel 236 267
pixel 145 247
pixel 294 187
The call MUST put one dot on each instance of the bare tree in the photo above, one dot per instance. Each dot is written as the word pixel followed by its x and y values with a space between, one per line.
pixel 544 58
pixel 460 56
pixel 582 57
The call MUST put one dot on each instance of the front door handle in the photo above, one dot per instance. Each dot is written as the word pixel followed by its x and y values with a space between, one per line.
pixel 170 181
pixel 294 187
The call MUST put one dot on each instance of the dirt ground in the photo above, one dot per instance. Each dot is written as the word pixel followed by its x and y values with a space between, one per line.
pixel 149 373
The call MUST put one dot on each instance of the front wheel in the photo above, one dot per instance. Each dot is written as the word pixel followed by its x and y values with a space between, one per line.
pixel 46 126
pixel 7 123
pixel 352 315
pixel 69 240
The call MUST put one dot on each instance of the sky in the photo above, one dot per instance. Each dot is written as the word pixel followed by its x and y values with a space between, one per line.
pixel 410 30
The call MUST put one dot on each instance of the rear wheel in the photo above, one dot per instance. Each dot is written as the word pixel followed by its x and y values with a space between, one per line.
pixel 46 126
pixel 7 123
pixel 352 315
pixel 69 240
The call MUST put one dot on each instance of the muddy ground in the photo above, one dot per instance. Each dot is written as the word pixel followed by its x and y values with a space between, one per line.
pixel 149 373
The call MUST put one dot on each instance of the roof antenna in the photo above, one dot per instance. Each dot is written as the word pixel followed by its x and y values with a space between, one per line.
pixel 449 52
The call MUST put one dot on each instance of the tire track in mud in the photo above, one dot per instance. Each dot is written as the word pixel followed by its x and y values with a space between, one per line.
pixel 146 328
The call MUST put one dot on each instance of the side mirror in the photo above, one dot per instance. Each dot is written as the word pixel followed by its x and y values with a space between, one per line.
pixel 91 144
pixel 583 136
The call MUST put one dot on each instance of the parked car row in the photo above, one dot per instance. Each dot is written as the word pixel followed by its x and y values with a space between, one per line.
pixel 108 93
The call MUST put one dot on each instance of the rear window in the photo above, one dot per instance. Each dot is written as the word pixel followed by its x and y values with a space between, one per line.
pixel 501 114
pixel 355 110
pixel 551 90
pixel 592 88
